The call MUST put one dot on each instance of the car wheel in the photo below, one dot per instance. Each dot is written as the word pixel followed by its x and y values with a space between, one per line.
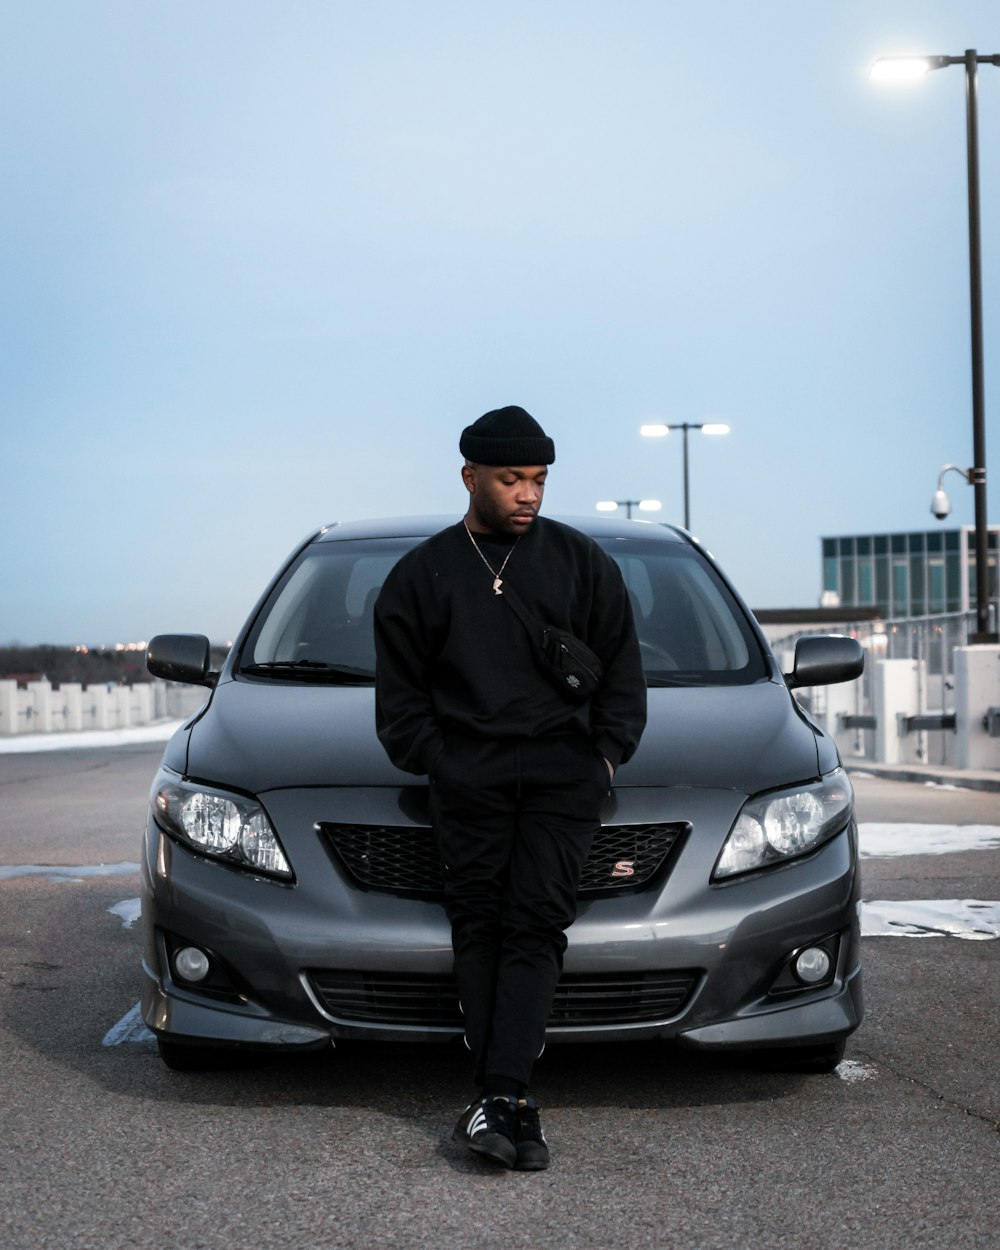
pixel 805 1059
pixel 182 1058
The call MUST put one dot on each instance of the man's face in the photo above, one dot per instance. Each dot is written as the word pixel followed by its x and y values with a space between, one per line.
pixel 504 500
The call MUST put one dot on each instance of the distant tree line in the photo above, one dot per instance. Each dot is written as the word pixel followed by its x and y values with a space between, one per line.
pixel 59 664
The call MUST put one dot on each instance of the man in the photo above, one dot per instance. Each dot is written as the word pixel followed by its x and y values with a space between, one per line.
pixel 519 768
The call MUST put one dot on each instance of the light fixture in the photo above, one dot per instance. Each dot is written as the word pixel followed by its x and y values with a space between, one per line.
pixel 644 505
pixel 903 68
pixel 660 429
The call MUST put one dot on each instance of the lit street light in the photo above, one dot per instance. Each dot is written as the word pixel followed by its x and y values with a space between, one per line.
pixel 644 505
pixel 909 69
pixel 659 429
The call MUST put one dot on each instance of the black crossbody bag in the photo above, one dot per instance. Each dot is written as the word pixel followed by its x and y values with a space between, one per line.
pixel 564 659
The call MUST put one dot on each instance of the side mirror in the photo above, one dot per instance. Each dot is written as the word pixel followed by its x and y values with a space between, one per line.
pixel 181 657
pixel 826 660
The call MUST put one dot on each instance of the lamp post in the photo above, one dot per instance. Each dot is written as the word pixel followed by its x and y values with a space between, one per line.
pixel 659 429
pixel 644 505
pixel 908 69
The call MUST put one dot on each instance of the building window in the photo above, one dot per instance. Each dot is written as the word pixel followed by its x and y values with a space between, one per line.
pixel 918 586
pixel 866 581
pixel 847 591
pixel 953 581
pixel 900 588
pixel 882 583
pixel 935 569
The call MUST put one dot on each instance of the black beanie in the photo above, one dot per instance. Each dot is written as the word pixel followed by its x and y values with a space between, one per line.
pixel 507 436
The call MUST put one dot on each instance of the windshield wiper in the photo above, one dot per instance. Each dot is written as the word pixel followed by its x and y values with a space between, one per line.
pixel 301 670
pixel 655 680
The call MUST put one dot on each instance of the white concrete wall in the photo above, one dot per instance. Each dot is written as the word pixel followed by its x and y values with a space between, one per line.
pixel 42 708
pixel 977 689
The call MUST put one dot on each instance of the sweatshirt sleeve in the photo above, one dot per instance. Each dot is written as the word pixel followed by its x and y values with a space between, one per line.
pixel 618 709
pixel 404 709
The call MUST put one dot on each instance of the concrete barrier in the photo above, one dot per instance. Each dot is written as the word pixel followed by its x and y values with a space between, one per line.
pixel 41 708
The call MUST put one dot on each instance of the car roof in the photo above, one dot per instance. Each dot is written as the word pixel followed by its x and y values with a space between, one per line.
pixel 425 526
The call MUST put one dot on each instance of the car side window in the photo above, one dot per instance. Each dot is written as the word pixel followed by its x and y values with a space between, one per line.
pixel 690 627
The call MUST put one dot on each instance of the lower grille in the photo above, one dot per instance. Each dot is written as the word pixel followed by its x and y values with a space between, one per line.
pixel 403 859
pixel 432 1002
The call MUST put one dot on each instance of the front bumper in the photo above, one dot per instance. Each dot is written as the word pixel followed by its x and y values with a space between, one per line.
pixel 270 937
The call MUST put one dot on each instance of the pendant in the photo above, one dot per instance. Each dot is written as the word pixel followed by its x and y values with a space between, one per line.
pixel 497 583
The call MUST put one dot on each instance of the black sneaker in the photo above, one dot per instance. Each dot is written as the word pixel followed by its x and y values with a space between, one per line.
pixel 487 1127
pixel 532 1152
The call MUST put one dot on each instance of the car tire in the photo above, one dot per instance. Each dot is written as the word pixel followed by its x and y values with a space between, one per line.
pixel 184 1058
pixel 813 1060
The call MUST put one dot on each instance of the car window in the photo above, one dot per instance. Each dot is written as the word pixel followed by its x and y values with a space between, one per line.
pixel 322 610
pixel 691 629
pixel 321 613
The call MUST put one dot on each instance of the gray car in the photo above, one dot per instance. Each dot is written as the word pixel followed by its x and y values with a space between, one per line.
pixel 291 886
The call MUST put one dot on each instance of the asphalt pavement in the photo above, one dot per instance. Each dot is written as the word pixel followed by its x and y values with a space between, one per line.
pixel 102 1146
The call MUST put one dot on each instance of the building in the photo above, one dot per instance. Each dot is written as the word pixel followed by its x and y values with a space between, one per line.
pixel 907 575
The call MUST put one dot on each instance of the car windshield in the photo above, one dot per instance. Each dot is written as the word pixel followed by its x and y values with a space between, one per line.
pixel 317 623
pixel 691 629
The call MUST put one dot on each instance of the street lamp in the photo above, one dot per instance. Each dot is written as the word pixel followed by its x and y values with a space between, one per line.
pixel 909 69
pixel 659 429
pixel 644 505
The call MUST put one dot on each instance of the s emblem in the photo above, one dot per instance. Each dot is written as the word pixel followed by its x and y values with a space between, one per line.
pixel 624 868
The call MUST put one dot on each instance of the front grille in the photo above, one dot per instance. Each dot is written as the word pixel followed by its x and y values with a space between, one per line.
pixel 403 859
pixel 432 1001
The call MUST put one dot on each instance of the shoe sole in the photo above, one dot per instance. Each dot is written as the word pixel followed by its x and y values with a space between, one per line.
pixel 531 1165
pixel 495 1154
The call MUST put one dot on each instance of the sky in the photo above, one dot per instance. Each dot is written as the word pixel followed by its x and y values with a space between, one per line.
pixel 262 262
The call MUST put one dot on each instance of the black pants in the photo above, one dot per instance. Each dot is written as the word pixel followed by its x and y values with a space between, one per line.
pixel 514 821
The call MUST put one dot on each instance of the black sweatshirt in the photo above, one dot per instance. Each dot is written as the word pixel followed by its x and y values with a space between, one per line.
pixel 452 656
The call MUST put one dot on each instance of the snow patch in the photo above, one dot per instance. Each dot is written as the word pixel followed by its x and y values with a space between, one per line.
pixel 975 920
pixel 851 1071
pixel 26 744
pixel 56 872
pixel 130 909
pixel 130 1028
pixel 882 841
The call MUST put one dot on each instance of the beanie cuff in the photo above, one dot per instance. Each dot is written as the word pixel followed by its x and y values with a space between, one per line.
pixel 520 450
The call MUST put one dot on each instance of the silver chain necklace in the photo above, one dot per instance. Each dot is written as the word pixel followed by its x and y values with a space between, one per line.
pixel 497 573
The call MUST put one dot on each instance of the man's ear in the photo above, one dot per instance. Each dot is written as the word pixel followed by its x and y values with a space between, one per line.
pixel 469 477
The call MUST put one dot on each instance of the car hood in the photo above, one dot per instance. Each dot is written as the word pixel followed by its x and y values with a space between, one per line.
pixel 260 736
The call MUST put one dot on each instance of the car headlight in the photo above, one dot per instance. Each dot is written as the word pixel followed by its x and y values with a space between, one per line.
pixel 774 828
pixel 227 826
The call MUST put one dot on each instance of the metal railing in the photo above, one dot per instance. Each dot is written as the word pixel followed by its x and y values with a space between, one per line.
pixel 931 641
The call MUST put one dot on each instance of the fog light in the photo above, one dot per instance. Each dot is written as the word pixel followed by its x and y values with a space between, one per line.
pixel 812 965
pixel 191 964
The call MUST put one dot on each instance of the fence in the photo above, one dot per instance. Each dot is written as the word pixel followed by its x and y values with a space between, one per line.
pixel 40 707
pixel 924 697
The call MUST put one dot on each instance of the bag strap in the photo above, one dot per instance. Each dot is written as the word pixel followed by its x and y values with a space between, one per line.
pixel 531 623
